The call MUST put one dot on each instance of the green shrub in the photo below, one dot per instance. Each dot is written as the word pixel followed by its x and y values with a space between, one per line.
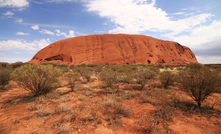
pixel 72 77
pixel 199 82
pixel 98 68
pixel 108 76
pixel 143 75
pixel 126 77
pixel 39 79
pixel 154 68
pixel 4 76
pixel 166 78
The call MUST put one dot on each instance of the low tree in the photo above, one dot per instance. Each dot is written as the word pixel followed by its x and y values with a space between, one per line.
pixel 166 78
pixel 39 79
pixel 199 82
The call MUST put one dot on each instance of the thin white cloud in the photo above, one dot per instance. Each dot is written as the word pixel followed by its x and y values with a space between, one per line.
pixel 135 16
pixel 21 33
pixel 14 3
pixel 44 31
pixel 8 13
pixel 178 13
pixel 46 25
pixel 19 20
pixel 23 44
pixel 35 27
pixel 59 33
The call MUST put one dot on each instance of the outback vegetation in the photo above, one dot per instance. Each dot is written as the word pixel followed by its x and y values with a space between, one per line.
pixel 63 99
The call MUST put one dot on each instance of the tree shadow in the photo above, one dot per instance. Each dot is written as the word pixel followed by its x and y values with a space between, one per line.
pixel 192 109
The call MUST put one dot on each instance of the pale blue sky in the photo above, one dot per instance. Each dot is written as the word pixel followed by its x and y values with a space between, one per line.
pixel 26 26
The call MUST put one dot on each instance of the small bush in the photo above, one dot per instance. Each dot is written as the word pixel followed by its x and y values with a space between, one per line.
pixel 154 68
pixel 126 77
pixel 39 79
pixel 109 77
pixel 4 76
pixel 167 78
pixel 72 77
pixel 86 73
pixel 143 75
pixel 199 82
pixel 98 68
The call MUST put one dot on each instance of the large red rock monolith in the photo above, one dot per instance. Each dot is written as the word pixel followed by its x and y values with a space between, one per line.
pixel 115 49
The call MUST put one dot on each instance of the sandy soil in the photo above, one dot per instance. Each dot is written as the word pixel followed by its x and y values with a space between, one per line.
pixel 90 109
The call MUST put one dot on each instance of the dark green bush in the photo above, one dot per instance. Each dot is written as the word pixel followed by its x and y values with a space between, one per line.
pixel 4 76
pixel 166 78
pixel 39 79
pixel 199 82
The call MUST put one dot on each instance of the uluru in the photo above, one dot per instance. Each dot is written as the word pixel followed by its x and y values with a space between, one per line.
pixel 115 49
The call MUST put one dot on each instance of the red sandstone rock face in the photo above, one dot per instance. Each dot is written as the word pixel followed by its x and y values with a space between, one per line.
pixel 115 49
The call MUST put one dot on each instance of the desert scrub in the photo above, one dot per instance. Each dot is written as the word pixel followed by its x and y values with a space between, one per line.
pixel 86 73
pixel 39 79
pixel 72 77
pixel 4 77
pixel 108 76
pixel 166 78
pixel 199 82
pixel 113 105
pixel 142 75
pixel 126 77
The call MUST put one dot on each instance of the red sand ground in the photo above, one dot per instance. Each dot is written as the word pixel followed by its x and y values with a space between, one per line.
pixel 21 114
pixel 115 49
